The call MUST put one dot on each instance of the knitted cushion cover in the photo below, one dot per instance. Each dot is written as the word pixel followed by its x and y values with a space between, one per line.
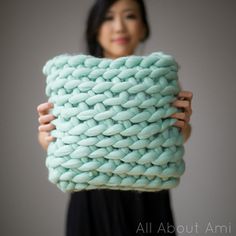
pixel 113 126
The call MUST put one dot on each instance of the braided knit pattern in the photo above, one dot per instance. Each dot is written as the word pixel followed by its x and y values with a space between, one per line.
pixel 113 125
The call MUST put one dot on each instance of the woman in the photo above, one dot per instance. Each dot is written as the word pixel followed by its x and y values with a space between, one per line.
pixel 114 29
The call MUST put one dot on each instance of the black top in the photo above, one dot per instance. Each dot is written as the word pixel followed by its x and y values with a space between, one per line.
pixel 119 213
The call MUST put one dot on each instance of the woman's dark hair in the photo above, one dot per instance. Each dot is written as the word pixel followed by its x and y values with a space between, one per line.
pixel 95 19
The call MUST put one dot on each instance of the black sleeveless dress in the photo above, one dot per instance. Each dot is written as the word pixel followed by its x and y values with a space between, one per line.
pixel 119 213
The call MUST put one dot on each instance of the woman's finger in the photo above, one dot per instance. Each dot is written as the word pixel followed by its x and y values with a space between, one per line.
pixel 181 116
pixel 50 138
pixel 44 107
pixel 46 128
pixel 185 95
pixel 45 119
pixel 181 124
pixel 183 104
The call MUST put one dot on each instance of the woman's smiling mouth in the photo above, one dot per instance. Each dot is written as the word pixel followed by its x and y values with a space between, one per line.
pixel 121 40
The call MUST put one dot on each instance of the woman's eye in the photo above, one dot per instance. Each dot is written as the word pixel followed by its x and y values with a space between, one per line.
pixel 108 18
pixel 131 16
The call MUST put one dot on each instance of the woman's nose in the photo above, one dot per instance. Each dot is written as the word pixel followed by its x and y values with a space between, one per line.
pixel 119 24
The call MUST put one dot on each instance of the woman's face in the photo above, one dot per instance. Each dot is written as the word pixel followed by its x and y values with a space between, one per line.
pixel 122 29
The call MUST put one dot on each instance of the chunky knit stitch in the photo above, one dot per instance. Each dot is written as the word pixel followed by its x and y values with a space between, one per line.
pixel 113 125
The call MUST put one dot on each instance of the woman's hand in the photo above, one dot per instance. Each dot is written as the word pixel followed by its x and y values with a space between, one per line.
pixel 184 102
pixel 45 126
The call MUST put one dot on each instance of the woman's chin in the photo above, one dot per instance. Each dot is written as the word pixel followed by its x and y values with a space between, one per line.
pixel 122 53
pixel 118 52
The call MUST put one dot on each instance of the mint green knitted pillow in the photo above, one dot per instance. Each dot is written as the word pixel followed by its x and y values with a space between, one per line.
pixel 113 125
